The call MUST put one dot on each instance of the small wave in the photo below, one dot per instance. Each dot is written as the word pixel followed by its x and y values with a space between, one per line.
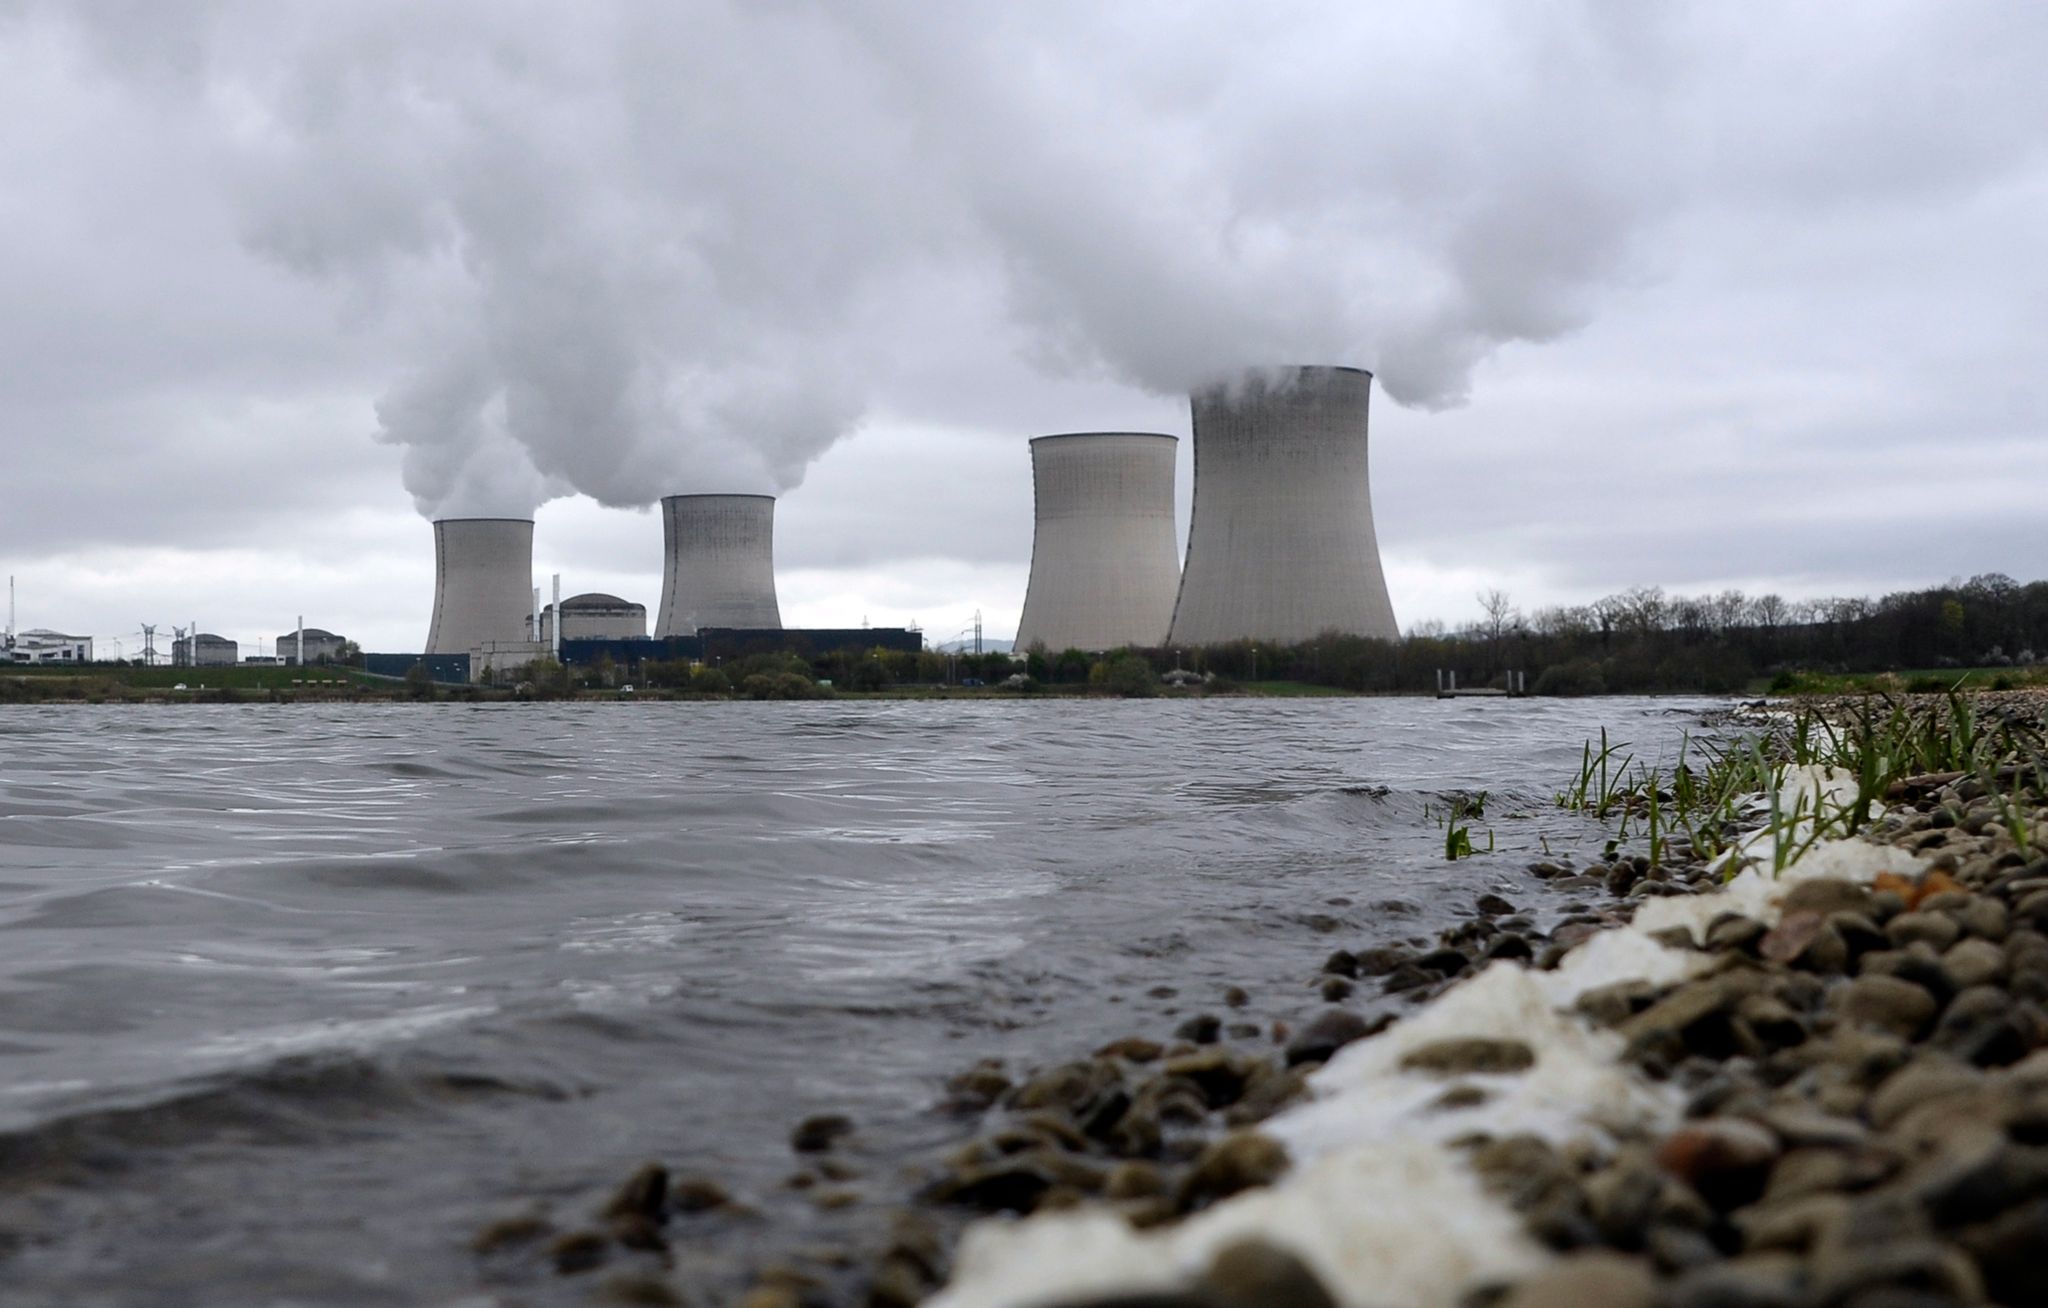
pixel 298 1100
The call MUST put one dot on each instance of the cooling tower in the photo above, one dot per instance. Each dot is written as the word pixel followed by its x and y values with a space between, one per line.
pixel 1105 563
pixel 1281 545
pixel 483 582
pixel 719 563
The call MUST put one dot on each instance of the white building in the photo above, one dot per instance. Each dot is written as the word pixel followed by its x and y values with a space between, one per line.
pixel 42 645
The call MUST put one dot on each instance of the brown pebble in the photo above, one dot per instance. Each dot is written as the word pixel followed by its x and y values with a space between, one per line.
pixel 1239 1161
pixel 578 1251
pixel 1329 1031
pixel 1469 1056
pixel 1136 1049
pixel 645 1194
pixel 510 1232
pixel 1256 1272
pixel 1587 1280
pixel 697 1194
pixel 1133 1179
pixel 816 1134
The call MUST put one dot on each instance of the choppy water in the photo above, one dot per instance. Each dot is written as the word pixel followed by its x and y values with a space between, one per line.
pixel 293 999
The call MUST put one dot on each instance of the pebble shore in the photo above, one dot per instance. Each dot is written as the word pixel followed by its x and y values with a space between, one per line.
pixel 1836 1095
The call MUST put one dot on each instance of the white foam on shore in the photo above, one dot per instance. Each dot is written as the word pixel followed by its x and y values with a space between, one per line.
pixel 1379 1203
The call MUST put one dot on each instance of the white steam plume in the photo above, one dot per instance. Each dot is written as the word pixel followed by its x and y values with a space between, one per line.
pixel 631 250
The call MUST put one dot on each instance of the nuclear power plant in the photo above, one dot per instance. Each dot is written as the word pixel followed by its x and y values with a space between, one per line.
pixel 1281 548
pixel 1105 564
pixel 718 563
pixel 1281 545
pixel 483 583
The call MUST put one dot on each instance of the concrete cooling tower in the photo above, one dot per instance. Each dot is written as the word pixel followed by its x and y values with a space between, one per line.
pixel 483 582
pixel 719 563
pixel 1281 545
pixel 1105 563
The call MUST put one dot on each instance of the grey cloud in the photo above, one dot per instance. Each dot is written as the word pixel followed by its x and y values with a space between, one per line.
pixel 1657 292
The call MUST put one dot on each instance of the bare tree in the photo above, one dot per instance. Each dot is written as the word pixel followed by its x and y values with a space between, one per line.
pixel 1769 611
pixel 1500 613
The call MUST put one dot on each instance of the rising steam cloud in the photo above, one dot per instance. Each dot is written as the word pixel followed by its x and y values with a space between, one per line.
pixel 631 250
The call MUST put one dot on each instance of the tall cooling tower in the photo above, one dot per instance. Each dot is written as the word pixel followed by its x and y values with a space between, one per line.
pixel 483 582
pixel 1281 545
pixel 719 563
pixel 1104 560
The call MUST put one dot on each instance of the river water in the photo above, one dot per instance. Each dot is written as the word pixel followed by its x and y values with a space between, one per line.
pixel 293 999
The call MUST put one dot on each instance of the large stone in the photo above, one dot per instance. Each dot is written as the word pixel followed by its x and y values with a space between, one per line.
pixel 1884 1002
pixel 1825 895
pixel 1584 1280
pixel 1792 1224
pixel 1924 1080
pixel 1757 1280
pixel 1256 1273
pixel 1926 928
pixel 1329 1031
pixel 1695 1018
pixel 1981 1026
pixel 1977 1177
pixel 1726 1160
pixel 1974 962
pixel 1239 1161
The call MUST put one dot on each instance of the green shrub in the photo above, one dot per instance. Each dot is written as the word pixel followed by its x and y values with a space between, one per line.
pixel 1125 674
pixel 710 681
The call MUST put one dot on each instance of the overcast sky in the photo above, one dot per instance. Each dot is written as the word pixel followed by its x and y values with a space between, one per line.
pixel 1693 296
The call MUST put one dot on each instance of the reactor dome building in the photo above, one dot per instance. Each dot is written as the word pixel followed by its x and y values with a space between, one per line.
pixel 1281 545
pixel 595 616
pixel 1105 563
pixel 718 565
pixel 483 583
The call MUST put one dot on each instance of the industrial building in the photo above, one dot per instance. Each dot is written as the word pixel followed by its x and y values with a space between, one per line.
pixel 718 563
pixel 319 646
pixel 1105 564
pixel 595 616
pixel 483 583
pixel 1281 545
pixel 211 651
pixel 41 645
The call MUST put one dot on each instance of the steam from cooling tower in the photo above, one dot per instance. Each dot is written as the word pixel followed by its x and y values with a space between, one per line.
pixel 604 253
